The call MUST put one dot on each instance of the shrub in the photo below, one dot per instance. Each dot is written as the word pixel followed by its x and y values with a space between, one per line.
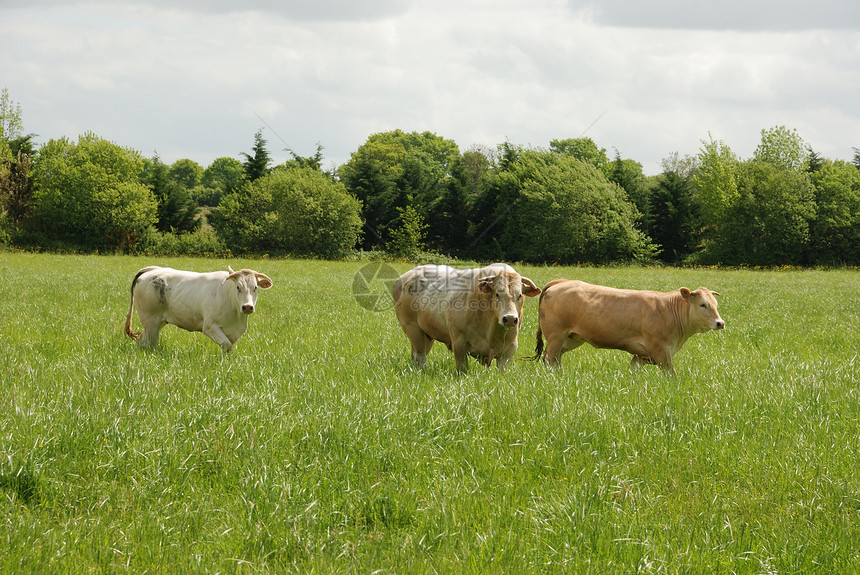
pixel 299 211
pixel 88 194
pixel 203 242
pixel 548 207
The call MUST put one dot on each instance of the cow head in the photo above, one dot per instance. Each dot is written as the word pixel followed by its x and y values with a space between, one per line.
pixel 703 309
pixel 507 290
pixel 247 282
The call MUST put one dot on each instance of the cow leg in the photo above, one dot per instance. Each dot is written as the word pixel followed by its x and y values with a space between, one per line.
pixel 419 352
pixel 420 342
pixel 559 344
pixel 506 355
pixel 502 362
pixel 149 335
pixel 216 334
pixel 668 365
pixel 552 352
pixel 638 361
pixel 461 356
pixel 661 357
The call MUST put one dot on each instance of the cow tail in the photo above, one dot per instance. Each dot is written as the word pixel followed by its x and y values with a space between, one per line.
pixel 539 334
pixel 127 326
pixel 538 345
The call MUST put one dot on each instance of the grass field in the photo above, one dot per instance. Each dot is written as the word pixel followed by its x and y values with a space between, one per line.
pixel 316 448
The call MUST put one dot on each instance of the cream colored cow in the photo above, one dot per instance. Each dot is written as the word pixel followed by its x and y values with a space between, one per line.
pixel 475 312
pixel 650 325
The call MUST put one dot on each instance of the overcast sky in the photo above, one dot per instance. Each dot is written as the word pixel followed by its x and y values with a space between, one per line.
pixel 196 78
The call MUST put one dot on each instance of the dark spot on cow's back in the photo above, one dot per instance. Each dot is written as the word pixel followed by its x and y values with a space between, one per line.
pixel 160 287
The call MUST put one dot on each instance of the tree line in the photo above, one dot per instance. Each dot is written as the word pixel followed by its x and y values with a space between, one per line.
pixel 415 195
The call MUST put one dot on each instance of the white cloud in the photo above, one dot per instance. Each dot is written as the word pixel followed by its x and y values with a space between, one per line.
pixel 723 15
pixel 197 79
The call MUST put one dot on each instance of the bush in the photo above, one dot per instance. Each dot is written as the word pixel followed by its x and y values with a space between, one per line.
pixel 836 227
pixel 203 242
pixel 407 241
pixel 549 207
pixel 204 196
pixel 299 211
pixel 87 195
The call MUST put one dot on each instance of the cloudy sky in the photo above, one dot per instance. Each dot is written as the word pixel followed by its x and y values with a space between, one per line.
pixel 196 78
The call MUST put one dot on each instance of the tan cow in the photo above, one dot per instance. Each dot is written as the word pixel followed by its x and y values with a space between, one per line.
pixel 651 325
pixel 216 303
pixel 475 312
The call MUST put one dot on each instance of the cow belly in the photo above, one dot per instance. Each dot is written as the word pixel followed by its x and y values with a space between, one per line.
pixel 445 331
pixel 634 345
pixel 178 313
pixel 435 327
pixel 187 322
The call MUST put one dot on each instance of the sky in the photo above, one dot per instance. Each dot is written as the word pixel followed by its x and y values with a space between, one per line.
pixel 197 78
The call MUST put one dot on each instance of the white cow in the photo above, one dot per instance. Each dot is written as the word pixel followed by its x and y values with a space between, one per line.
pixel 475 312
pixel 216 303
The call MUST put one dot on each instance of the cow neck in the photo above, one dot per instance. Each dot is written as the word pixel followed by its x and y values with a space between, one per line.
pixel 680 317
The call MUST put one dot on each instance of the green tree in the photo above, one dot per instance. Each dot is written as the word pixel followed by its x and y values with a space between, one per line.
pixel 628 174
pixel 256 164
pixel 836 228
pixel 16 154
pixel 88 194
pixel 187 173
pixel 554 208
pixel 407 239
pixel 685 166
pixel 671 222
pixel 313 162
pixel 391 167
pixel 755 212
pixel 11 124
pixel 450 212
pixel 16 190
pixel 769 223
pixel 223 176
pixel 715 194
pixel 491 208
pixel 474 170
pixel 300 211
pixel 814 161
pixel 583 149
pixel 783 148
pixel 177 211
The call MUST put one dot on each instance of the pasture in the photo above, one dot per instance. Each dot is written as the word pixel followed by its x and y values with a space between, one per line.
pixel 315 447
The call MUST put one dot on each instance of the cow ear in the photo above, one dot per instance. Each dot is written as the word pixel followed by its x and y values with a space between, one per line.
pixel 485 285
pixel 685 293
pixel 231 276
pixel 529 288
pixel 263 281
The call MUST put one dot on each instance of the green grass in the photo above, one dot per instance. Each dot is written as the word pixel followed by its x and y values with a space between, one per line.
pixel 316 448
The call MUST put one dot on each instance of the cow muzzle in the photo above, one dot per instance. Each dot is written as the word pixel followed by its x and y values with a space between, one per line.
pixel 719 324
pixel 510 321
pixel 248 308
